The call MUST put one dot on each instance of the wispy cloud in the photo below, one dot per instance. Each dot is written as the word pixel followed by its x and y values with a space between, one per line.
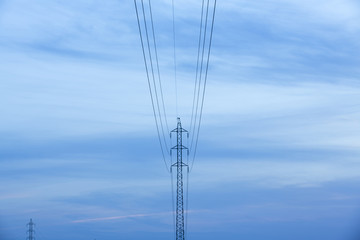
pixel 13 196
pixel 117 217
pixel 273 173
pixel 131 216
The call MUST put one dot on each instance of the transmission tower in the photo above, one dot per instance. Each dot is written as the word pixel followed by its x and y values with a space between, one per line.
pixel 179 164
pixel 31 231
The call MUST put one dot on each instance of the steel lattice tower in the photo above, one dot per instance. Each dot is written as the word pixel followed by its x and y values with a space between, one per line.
pixel 31 231
pixel 180 222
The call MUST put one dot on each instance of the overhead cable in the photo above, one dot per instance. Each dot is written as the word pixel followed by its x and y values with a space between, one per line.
pixel 148 79
pixel 197 66
pixel 158 69
pixel 153 75
pixel 205 81
pixel 175 62
pixel 200 76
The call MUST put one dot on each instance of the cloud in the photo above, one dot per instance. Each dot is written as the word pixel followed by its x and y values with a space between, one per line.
pixel 300 13
pixel 276 173
pixel 78 136
pixel 130 216
pixel 14 196
pixel 119 217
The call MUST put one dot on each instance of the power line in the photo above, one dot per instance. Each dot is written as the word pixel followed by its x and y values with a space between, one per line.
pixel 158 69
pixel 197 65
pixel 202 67
pixel 205 81
pixel 200 72
pixel 200 76
pixel 152 72
pixel 149 84
pixel 175 68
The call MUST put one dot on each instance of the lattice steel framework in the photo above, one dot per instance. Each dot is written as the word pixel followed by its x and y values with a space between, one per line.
pixel 31 231
pixel 180 222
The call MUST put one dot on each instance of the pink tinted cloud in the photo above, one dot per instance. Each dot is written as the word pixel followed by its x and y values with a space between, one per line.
pixel 118 217
pixel 126 217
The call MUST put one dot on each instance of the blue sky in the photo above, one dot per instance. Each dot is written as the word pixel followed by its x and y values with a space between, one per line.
pixel 278 154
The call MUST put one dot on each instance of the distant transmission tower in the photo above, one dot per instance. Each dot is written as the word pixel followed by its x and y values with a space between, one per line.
pixel 31 231
pixel 180 226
